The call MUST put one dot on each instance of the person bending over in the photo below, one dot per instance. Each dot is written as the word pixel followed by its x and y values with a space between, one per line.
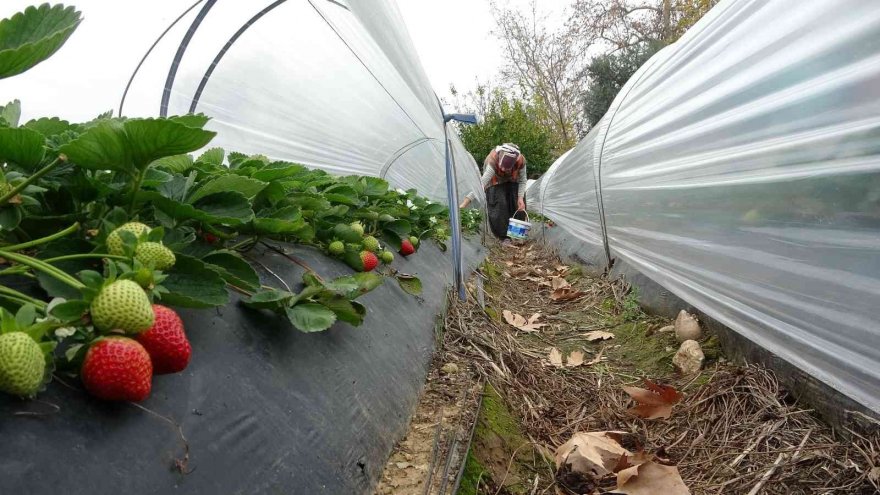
pixel 504 180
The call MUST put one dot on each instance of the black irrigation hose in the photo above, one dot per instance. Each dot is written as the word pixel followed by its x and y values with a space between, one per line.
pixel 470 441
pixel 434 451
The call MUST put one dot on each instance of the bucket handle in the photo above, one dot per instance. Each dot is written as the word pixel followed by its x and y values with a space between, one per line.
pixel 524 211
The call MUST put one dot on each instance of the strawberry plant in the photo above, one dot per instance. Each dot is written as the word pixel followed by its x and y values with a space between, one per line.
pixel 110 216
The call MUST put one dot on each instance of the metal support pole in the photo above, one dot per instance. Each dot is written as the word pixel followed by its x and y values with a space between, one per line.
pixel 454 218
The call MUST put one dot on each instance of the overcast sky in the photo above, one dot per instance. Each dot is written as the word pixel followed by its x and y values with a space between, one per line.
pixel 454 38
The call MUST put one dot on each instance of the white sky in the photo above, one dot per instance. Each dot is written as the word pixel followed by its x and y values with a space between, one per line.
pixel 454 40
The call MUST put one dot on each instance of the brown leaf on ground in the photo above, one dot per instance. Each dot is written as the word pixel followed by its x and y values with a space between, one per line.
pixel 598 335
pixel 650 478
pixel 566 294
pixel 592 453
pixel 654 403
pixel 555 357
pixel 576 358
pixel 557 283
pixel 520 322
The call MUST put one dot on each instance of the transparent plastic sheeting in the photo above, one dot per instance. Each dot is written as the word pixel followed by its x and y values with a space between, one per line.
pixel 740 168
pixel 332 84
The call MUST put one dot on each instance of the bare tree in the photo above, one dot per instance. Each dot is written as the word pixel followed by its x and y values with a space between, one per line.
pixel 621 24
pixel 546 66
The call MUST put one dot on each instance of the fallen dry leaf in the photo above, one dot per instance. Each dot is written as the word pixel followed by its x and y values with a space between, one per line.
pixel 566 294
pixel 592 453
pixel 557 283
pixel 650 478
pixel 519 321
pixel 598 335
pixel 654 403
pixel 403 465
pixel 555 357
pixel 576 358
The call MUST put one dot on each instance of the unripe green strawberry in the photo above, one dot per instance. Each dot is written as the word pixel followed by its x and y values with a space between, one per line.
pixel 387 257
pixel 369 261
pixel 371 244
pixel 117 368
pixel 114 241
pixel 336 248
pixel 372 215
pixel 154 254
pixel 122 305
pixel 357 227
pixel 21 364
pixel 414 241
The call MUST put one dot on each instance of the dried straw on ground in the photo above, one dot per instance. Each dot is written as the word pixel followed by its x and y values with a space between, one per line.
pixel 736 433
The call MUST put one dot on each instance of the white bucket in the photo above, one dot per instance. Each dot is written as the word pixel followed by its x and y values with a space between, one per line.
pixel 519 229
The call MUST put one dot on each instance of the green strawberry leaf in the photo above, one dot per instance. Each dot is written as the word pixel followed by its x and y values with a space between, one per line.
pixel 10 217
pixel 234 269
pixel 244 185
pixel 285 221
pixel 229 208
pixel 345 310
pixel 155 177
pixel 273 299
pixel 176 164
pixel 10 113
pixel 155 234
pixel 191 284
pixel 434 209
pixel 70 311
pixel 311 317
pixel 7 322
pixel 278 170
pixel 374 187
pixel 38 331
pixel 197 120
pixel 22 146
pixel 25 315
pixel 346 234
pixel 151 139
pixel 29 37
pixel 400 227
pixel 353 286
pixel 71 353
pixel 92 279
pixel 213 156
pixel 50 126
pixel 101 147
pixel 410 284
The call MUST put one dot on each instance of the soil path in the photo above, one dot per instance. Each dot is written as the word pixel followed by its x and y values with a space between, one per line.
pixel 555 348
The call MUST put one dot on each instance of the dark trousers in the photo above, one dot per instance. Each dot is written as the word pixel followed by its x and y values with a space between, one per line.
pixel 501 202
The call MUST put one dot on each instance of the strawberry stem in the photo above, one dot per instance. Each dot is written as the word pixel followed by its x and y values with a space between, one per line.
pixel 36 242
pixel 85 256
pixel 136 187
pixel 39 173
pixel 14 295
pixel 44 267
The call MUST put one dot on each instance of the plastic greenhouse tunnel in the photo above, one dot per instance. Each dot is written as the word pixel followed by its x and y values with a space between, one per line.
pixel 233 261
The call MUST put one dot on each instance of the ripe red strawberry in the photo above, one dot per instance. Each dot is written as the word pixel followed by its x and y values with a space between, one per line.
pixel 369 260
pixel 406 247
pixel 117 368
pixel 166 342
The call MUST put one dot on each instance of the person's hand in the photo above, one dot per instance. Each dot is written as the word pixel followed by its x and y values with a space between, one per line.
pixel 520 204
pixel 465 203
